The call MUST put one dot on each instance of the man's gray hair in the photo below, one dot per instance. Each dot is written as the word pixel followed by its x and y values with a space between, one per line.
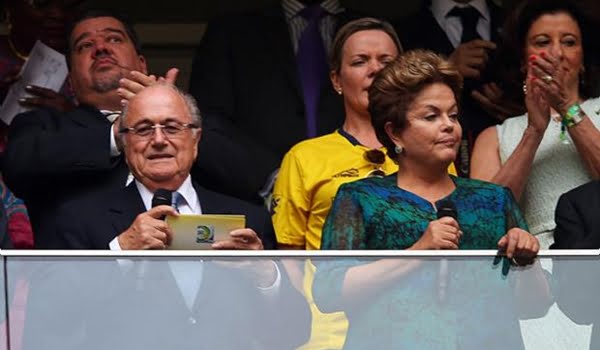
pixel 189 101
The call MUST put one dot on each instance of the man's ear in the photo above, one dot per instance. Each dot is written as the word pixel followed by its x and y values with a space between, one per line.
pixel 143 66
pixel 197 136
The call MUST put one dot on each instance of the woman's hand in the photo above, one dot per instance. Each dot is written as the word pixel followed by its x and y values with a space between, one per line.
pixel 551 79
pixel 519 244
pixel 443 233
pixel 538 109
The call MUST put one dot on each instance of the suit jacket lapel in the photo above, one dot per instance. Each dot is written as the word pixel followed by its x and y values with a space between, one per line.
pixel 497 17
pixel 277 33
pixel 125 207
pixel 87 116
pixel 211 202
pixel 437 37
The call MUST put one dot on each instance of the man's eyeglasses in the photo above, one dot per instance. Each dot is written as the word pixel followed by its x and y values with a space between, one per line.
pixel 171 129
pixel 377 158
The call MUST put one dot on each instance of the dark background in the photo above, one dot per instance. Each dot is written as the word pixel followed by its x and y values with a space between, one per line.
pixel 171 29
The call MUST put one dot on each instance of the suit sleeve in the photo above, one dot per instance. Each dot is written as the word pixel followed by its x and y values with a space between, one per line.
pixel 229 160
pixel 570 231
pixel 45 148
pixel 70 231
pixel 576 284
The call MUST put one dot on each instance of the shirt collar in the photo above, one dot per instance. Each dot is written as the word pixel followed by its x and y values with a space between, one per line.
pixel 440 8
pixel 291 8
pixel 186 190
pixel 110 115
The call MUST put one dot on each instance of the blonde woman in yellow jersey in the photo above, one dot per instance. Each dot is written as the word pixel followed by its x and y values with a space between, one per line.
pixel 312 171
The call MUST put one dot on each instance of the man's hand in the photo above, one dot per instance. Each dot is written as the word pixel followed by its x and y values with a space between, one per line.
pixel 491 98
pixel 137 81
pixel 471 57
pixel 148 231
pixel 263 272
pixel 10 77
pixel 241 239
pixel 43 97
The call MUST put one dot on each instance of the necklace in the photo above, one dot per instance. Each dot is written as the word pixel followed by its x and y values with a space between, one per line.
pixel 15 51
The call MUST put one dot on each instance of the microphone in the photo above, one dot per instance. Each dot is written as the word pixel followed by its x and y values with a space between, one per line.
pixel 162 197
pixel 444 208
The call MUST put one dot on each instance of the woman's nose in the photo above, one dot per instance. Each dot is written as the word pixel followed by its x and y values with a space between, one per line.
pixel 556 50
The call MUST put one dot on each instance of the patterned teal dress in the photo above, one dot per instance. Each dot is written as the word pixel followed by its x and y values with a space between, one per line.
pixel 375 213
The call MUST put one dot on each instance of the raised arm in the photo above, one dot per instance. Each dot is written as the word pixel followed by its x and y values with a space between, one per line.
pixel 486 164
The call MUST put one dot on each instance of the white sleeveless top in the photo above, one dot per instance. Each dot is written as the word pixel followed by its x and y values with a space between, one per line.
pixel 556 169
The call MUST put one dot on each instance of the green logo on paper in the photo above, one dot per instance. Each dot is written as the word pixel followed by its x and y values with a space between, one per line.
pixel 205 234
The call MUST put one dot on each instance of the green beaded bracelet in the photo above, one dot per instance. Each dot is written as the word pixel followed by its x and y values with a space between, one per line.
pixel 573 116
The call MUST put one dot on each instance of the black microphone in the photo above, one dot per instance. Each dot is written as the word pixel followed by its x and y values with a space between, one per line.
pixel 162 197
pixel 444 208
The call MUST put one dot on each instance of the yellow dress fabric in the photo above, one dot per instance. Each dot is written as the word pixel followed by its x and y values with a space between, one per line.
pixel 309 177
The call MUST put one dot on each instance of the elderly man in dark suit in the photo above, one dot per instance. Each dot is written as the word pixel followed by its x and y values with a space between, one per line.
pixel 160 130
pixel 158 304
pixel 261 81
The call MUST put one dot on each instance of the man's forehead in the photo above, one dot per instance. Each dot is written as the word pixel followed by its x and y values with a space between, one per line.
pixel 158 104
pixel 97 25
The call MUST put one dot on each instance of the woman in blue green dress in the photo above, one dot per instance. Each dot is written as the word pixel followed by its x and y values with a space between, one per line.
pixel 395 303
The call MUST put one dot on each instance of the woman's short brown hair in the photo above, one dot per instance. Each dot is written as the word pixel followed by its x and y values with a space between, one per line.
pixel 395 87
pixel 358 25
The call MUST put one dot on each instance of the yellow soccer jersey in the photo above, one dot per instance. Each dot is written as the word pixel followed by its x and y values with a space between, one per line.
pixel 309 177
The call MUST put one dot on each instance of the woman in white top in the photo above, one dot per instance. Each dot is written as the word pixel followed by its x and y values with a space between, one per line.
pixel 555 146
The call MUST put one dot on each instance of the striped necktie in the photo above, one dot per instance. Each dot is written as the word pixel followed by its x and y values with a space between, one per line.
pixel 177 200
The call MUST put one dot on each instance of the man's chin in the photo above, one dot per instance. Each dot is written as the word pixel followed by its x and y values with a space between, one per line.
pixel 107 82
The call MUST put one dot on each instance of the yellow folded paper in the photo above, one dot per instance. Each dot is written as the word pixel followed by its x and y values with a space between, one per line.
pixel 198 232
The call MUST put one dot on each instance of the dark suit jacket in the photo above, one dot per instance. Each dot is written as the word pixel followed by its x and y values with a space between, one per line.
pixel 52 156
pixel 244 77
pixel 422 31
pixel 91 222
pixel 577 219
pixel 114 308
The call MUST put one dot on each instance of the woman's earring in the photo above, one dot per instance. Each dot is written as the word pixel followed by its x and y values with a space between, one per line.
pixel 339 91
pixel 398 149
pixel 524 88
